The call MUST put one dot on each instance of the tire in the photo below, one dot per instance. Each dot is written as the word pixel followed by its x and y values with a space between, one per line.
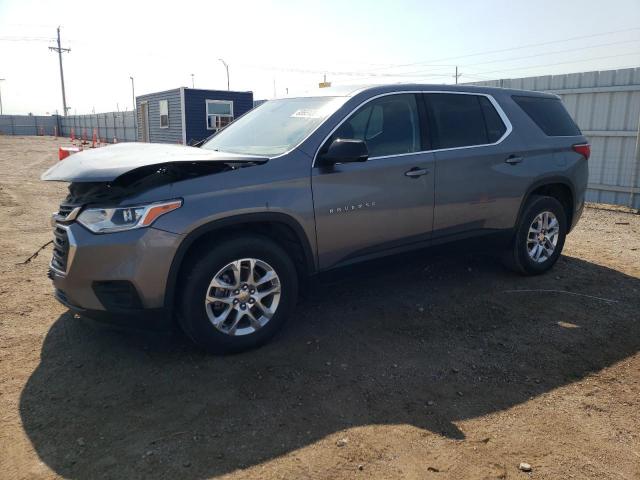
pixel 519 256
pixel 198 318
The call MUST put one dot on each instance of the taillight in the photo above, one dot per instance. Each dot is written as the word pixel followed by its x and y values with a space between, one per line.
pixel 583 149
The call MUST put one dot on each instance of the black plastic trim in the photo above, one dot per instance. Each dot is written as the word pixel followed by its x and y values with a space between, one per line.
pixel 148 319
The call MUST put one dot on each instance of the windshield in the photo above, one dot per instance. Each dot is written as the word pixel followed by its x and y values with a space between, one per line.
pixel 275 126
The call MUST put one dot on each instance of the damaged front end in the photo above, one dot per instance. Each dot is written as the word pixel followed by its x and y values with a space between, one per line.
pixel 141 180
pixel 112 174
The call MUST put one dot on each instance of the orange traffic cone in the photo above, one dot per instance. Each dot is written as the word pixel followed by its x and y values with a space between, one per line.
pixel 64 152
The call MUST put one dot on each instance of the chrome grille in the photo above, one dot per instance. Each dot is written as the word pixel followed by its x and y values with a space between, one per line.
pixel 60 249
pixel 65 209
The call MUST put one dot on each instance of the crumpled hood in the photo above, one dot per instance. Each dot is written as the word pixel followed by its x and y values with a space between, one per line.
pixel 105 164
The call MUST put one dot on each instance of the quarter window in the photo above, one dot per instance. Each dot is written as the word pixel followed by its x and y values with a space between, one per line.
pixel 464 120
pixel 550 115
pixel 219 114
pixel 388 125
pixel 164 113
pixel 493 122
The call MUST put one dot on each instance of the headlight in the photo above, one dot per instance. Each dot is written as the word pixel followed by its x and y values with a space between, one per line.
pixel 106 220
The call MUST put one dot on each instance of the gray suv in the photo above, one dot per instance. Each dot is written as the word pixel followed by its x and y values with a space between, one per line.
pixel 220 237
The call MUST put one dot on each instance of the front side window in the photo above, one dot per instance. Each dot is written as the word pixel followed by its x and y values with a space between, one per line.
pixel 219 114
pixel 462 120
pixel 388 125
pixel 164 113
pixel 276 126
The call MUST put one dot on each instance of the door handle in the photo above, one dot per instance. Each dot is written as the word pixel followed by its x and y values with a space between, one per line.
pixel 513 160
pixel 416 172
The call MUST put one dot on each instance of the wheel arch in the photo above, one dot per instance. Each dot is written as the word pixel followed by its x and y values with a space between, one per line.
pixel 559 188
pixel 278 226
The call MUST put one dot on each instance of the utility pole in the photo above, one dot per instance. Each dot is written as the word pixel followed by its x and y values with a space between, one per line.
pixel 227 67
pixel 133 92
pixel 1 80
pixel 457 75
pixel 135 112
pixel 193 82
pixel 59 49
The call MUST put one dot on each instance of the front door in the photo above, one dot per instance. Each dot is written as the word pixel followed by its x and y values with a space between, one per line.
pixel 384 204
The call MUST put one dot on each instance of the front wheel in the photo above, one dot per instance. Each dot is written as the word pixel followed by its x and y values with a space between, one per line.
pixel 539 238
pixel 237 296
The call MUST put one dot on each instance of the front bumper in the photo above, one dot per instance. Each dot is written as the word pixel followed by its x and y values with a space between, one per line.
pixel 148 319
pixel 123 273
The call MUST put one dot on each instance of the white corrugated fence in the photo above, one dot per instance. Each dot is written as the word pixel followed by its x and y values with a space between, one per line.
pixel 606 107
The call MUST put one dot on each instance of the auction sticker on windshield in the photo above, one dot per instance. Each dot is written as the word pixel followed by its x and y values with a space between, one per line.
pixel 306 113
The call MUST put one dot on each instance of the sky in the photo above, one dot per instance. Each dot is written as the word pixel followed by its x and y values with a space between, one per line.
pixel 281 47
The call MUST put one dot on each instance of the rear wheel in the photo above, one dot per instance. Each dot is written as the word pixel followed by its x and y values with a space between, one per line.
pixel 539 238
pixel 238 295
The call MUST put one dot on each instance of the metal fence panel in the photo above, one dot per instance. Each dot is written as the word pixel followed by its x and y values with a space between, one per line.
pixel 28 124
pixel 606 107
pixel 120 126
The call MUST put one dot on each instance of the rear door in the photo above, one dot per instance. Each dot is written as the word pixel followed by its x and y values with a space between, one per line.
pixel 479 181
pixel 386 203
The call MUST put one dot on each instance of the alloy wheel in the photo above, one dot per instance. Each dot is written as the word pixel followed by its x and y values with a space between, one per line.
pixel 243 296
pixel 542 238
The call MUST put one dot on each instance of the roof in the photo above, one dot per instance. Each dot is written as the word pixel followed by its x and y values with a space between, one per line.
pixel 352 90
pixel 173 90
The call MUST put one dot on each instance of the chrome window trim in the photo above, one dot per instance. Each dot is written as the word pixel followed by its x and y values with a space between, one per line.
pixel 496 105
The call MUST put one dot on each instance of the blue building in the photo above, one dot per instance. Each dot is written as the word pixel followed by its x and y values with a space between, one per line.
pixel 187 115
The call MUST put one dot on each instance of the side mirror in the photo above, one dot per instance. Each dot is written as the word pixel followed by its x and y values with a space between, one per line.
pixel 345 150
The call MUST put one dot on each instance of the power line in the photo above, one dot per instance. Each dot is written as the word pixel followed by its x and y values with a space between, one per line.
pixel 374 72
pixel 418 73
pixel 553 53
pixel 530 45
pixel 338 73
pixel 26 39
pixel 561 63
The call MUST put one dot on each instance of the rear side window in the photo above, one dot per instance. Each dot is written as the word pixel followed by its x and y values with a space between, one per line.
pixel 550 115
pixel 464 120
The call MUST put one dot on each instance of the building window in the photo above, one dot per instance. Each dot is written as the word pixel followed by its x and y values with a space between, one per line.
pixel 219 114
pixel 164 113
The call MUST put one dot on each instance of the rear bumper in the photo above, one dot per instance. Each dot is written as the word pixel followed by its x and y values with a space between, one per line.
pixel 576 215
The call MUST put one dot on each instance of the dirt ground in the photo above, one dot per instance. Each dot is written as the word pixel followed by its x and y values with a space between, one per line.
pixel 438 365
